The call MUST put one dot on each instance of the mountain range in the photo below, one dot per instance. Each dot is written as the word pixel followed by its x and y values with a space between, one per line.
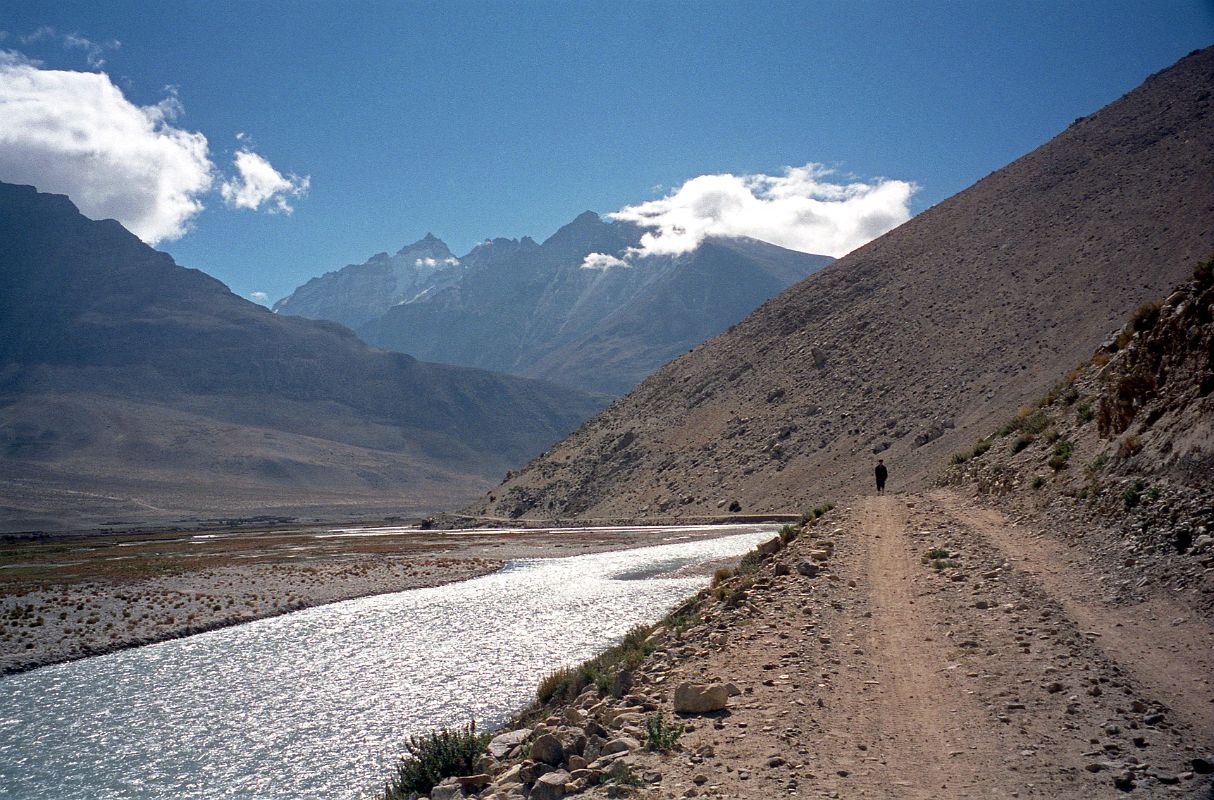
pixel 539 310
pixel 918 343
pixel 136 390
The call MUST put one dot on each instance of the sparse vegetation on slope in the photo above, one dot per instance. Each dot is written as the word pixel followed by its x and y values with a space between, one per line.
pixel 912 346
pixel 1148 457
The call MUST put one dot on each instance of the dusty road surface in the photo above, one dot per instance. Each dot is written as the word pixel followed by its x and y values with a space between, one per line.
pixel 943 652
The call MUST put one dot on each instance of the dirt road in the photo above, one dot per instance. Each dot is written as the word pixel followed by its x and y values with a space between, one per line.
pixel 987 670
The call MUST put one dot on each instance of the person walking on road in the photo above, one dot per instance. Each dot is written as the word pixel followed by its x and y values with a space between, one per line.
pixel 882 473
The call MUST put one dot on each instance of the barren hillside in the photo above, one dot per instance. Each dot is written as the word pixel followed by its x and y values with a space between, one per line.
pixel 133 390
pixel 914 345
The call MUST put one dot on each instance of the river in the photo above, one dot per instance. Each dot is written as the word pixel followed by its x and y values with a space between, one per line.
pixel 316 704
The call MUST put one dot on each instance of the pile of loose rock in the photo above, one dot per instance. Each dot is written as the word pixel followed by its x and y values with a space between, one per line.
pixel 587 744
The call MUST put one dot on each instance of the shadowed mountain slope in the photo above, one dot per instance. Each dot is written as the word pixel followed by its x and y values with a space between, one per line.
pixel 532 309
pixel 918 343
pixel 134 389
pixel 358 293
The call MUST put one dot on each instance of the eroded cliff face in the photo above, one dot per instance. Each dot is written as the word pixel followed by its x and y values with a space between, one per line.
pixel 1157 389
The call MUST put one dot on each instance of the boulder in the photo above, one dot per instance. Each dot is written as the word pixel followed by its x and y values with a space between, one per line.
pixel 550 786
pixel 808 568
pixel 621 744
pixel 474 782
pixel 447 790
pixel 548 749
pixel 770 547
pixel 532 771
pixel 501 745
pixel 699 698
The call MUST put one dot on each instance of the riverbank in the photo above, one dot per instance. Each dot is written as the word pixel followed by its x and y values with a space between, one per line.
pixel 906 647
pixel 69 598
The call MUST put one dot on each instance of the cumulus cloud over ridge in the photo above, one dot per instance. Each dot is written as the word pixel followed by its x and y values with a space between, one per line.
pixel 76 133
pixel 801 210
pixel 259 184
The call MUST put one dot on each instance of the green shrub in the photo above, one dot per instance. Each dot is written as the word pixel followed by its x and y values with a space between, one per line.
pixel 1029 421
pixel 813 514
pixel 1063 391
pixel 1133 495
pixel 444 753
pixel 1143 319
pixel 1146 316
pixel 566 683
pixel 978 449
pixel 1020 443
pixel 937 553
pixel 1204 274
pixel 750 563
pixel 1084 413
pixel 660 736
pixel 1038 482
pixel 732 594
pixel 1062 454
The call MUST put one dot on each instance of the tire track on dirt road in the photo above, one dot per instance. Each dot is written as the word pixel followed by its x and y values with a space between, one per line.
pixel 1167 650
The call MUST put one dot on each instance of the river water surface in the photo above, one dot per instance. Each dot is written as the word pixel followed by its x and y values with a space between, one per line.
pixel 315 704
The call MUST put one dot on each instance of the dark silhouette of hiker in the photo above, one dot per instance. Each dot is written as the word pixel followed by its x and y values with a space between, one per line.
pixel 882 473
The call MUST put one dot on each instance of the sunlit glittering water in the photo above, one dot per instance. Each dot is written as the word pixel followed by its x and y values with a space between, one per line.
pixel 315 704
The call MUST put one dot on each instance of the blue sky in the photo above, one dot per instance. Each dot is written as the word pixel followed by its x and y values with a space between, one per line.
pixel 475 119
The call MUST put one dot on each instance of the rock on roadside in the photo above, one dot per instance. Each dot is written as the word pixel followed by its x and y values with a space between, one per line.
pixel 699 698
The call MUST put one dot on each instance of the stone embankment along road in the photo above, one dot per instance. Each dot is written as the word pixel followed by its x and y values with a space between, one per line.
pixel 883 676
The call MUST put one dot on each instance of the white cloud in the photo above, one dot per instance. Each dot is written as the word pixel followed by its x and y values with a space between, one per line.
pixel 259 184
pixel 800 210
pixel 75 133
pixel 93 51
pixel 603 261
pixel 261 298
pixel 436 262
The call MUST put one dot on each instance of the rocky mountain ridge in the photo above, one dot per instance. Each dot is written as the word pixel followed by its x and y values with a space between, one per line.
pixel 537 309
pixel 914 345
pixel 358 293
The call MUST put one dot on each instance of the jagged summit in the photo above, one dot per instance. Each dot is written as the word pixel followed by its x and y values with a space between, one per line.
pixel 358 292
pixel 531 309
pixel 913 344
